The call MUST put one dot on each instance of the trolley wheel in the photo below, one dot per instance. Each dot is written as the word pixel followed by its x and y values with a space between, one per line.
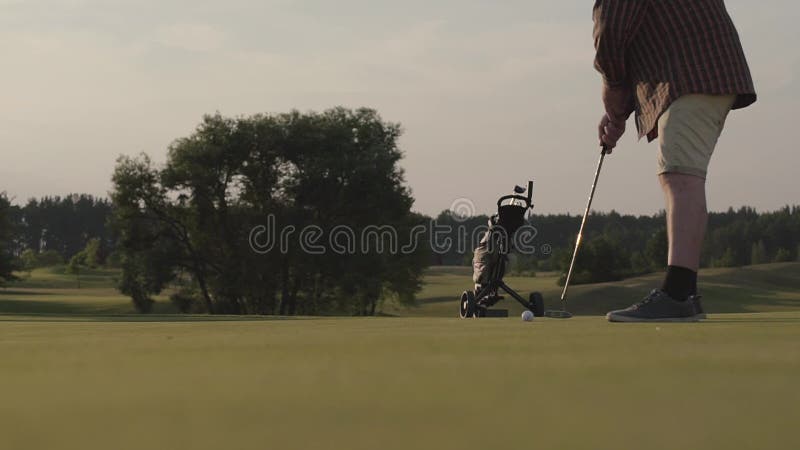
pixel 537 304
pixel 468 308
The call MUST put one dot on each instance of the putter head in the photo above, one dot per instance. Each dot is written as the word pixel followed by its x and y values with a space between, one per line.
pixel 555 314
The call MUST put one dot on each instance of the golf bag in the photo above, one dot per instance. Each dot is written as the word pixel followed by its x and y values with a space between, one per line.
pixel 498 239
pixel 490 259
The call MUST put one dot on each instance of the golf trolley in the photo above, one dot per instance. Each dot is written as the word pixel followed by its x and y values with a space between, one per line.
pixel 491 260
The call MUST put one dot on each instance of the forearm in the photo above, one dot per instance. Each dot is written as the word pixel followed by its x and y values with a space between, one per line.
pixel 618 102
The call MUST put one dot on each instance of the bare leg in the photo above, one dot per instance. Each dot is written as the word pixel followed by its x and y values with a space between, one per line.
pixel 687 218
pixel 686 226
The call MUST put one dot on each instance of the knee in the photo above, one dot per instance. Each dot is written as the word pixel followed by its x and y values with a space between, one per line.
pixel 681 182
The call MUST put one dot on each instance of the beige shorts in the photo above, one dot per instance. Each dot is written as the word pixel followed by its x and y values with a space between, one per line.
pixel 688 132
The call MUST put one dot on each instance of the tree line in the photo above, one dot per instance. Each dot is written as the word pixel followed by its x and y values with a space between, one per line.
pixel 50 231
pixel 618 246
pixel 185 228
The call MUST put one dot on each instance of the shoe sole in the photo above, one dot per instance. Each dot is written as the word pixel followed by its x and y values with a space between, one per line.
pixel 627 319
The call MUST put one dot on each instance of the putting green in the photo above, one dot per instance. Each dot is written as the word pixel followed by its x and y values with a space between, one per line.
pixel 161 382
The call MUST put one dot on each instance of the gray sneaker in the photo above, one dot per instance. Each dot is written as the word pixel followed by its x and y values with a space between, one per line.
pixel 656 307
pixel 698 307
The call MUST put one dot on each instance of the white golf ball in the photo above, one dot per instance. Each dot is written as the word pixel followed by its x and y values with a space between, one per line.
pixel 527 316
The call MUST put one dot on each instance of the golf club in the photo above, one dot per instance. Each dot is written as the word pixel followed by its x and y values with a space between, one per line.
pixel 563 314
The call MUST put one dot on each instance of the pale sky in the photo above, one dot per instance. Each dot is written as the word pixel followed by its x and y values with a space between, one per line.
pixel 490 93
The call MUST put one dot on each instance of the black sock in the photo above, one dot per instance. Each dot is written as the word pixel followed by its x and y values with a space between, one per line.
pixel 680 283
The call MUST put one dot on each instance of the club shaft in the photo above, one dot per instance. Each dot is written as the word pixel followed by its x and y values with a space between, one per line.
pixel 580 233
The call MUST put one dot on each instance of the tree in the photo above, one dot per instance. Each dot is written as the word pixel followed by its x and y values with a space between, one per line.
pixel 188 222
pixel 88 258
pixel 64 224
pixel 143 276
pixel 728 259
pixel 758 253
pixel 49 258
pixel 76 264
pixel 657 249
pixel 93 255
pixel 640 264
pixel 29 260
pixel 783 255
pixel 600 259
pixel 7 265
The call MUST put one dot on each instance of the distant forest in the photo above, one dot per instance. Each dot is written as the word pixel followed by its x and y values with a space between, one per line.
pixel 63 226
pixel 617 246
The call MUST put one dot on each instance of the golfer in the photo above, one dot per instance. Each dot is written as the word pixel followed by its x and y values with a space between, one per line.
pixel 680 66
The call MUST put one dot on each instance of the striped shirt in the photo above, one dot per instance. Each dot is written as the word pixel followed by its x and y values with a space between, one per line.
pixel 663 49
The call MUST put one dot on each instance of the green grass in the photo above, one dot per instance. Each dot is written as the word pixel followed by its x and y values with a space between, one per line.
pixel 79 372
pixel 400 383
pixel 52 291
pixel 763 288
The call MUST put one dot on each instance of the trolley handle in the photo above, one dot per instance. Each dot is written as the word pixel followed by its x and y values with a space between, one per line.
pixel 527 200
pixel 530 193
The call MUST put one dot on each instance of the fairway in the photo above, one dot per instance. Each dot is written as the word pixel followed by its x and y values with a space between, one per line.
pixel 80 372
pixel 132 382
pixel 762 288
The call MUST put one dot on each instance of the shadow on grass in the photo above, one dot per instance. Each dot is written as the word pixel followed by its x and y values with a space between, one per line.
pixel 44 311
pixel 454 299
pixel 141 318
pixel 22 292
pixel 49 311
pixel 437 271
pixel 85 284
pixel 53 307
